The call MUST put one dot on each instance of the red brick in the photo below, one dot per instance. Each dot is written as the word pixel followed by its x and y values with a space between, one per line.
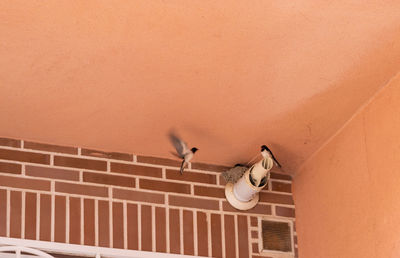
pixel 132 227
pixel 243 236
pixel 118 225
pixel 138 196
pixel 15 214
pixel 104 223
pixel 216 237
pixel 50 147
pixel 280 176
pixel 10 168
pixel 25 183
pixel 164 186
pixel 193 202
pixel 253 221
pixel 45 217
pixel 276 198
pixel 107 155
pixel 281 187
pixel 255 248
pixel 146 223
pixel 81 189
pixel 135 170
pixel 191 176
pixel 54 173
pixel 209 167
pixel 161 235
pixel 30 216
pixel 222 180
pixel 10 142
pixel 105 179
pixel 88 223
pixel 284 212
pixel 229 224
pixel 3 212
pixel 74 220
pixel 202 233
pixel 80 163
pixel 174 231
pixel 209 191
pixel 158 161
pixel 25 156
pixel 254 234
pixel 188 240
pixel 260 208
pixel 59 223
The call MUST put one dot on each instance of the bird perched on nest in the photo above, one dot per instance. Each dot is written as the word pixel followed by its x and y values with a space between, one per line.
pixel 260 177
pixel 182 151
pixel 257 179
pixel 266 152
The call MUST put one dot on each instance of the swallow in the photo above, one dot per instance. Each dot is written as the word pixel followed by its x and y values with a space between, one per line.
pixel 266 152
pixel 182 151
pixel 260 177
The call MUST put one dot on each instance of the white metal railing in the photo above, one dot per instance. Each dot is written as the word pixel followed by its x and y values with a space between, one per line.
pixel 5 251
pixel 38 248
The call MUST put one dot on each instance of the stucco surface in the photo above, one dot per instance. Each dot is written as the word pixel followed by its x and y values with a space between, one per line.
pixel 347 195
pixel 229 76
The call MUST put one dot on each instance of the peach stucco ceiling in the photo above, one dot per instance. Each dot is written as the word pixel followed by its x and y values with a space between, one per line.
pixel 228 75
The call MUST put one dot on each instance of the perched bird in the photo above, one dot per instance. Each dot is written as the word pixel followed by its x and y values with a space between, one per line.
pixel 182 151
pixel 266 152
pixel 260 177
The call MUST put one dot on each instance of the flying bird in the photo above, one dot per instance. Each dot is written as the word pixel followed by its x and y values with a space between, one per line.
pixel 182 151
pixel 266 152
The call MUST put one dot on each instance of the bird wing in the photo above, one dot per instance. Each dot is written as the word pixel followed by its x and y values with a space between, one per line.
pixel 180 146
pixel 277 163
pixel 175 154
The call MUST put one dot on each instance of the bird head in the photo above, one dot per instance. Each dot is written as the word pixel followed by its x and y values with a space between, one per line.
pixel 194 149
pixel 265 148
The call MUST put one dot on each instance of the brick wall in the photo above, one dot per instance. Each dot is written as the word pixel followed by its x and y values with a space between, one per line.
pixel 109 199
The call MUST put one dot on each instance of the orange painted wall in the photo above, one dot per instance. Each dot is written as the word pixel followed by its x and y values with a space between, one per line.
pixel 348 194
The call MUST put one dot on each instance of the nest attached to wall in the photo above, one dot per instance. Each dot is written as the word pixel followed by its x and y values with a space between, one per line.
pixel 234 174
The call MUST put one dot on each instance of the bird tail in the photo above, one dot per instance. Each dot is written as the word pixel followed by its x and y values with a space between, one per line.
pixel 275 161
pixel 182 166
